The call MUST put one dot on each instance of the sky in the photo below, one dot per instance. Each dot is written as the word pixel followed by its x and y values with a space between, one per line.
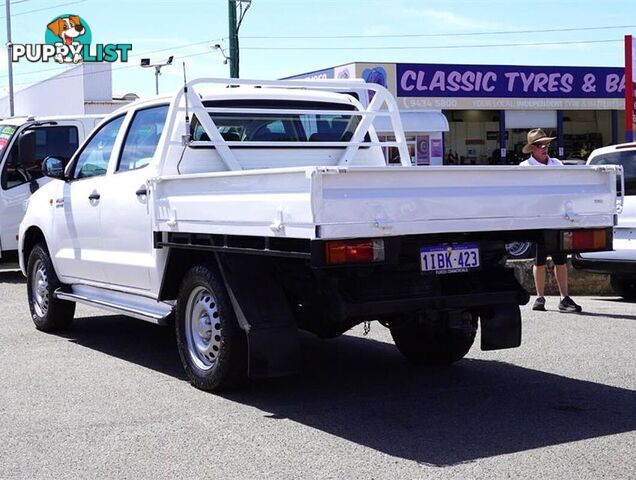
pixel 280 38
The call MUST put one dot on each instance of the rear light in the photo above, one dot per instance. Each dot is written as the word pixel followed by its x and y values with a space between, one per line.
pixel 581 240
pixel 354 251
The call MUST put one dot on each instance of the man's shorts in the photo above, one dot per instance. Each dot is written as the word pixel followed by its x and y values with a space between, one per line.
pixel 541 256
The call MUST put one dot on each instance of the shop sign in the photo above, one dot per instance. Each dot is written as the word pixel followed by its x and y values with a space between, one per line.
pixel 500 81
pixel 423 152
pixel 436 148
pixel 317 75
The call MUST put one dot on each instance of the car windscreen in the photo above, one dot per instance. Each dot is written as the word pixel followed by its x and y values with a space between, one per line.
pixel 338 126
pixel 626 158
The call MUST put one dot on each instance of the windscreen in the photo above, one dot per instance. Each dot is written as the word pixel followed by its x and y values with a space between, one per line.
pixel 626 158
pixel 338 126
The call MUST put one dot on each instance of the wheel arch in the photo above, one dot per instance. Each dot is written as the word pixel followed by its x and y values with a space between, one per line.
pixel 178 262
pixel 32 236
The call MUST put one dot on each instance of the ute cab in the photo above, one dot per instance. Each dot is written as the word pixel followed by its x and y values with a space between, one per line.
pixel 24 143
pixel 620 263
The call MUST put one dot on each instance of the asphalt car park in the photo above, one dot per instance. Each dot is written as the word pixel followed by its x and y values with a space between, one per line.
pixel 108 399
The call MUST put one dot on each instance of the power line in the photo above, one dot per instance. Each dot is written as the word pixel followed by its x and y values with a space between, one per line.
pixel 135 55
pixel 415 35
pixel 122 67
pixel 435 47
pixel 43 9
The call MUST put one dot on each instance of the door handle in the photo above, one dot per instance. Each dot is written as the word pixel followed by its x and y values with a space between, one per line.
pixel 141 191
pixel 94 196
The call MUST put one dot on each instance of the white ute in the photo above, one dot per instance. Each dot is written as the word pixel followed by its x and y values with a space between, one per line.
pixel 24 143
pixel 241 211
pixel 620 262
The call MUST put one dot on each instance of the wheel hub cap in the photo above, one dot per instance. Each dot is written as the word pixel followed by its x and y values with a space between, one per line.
pixel 40 289
pixel 203 328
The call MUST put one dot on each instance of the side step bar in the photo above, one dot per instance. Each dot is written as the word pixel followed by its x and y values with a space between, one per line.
pixel 9 267
pixel 127 304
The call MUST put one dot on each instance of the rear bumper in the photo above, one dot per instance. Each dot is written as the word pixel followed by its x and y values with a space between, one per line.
pixel 451 302
pixel 602 265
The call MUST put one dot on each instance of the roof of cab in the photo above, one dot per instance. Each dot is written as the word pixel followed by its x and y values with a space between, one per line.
pixel 249 93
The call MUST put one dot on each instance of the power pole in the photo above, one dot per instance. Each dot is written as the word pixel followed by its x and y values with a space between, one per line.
pixel 9 53
pixel 234 44
pixel 234 20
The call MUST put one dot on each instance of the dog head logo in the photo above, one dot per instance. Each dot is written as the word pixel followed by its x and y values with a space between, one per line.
pixel 71 31
pixel 68 29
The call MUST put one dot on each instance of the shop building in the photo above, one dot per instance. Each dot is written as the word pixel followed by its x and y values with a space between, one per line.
pixel 481 113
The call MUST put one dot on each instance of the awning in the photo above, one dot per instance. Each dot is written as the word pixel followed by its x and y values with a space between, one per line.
pixel 415 121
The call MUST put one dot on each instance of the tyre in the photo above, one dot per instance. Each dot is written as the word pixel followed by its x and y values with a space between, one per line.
pixel 433 343
pixel 48 313
pixel 211 344
pixel 624 286
pixel 518 250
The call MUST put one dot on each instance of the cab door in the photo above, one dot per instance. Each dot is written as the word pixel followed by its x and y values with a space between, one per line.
pixel 77 244
pixel 125 216
pixel 22 170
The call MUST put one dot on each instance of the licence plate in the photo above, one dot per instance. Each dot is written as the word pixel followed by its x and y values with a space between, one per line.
pixel 459 257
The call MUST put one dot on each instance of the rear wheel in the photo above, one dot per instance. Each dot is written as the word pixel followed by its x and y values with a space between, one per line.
pixel 624 286
pixel 211 344
pixel 48 313
pixel 432 343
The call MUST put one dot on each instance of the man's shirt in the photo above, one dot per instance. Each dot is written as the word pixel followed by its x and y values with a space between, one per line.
pixel 533 162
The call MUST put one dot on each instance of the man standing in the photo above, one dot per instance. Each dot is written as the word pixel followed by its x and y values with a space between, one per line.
pixel 538 144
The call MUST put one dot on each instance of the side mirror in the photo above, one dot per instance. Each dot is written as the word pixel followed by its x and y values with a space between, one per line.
pixel 53 167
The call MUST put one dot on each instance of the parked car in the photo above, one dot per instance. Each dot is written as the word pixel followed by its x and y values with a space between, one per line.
pixel 244 214
pixel 620 263
pixel 24 143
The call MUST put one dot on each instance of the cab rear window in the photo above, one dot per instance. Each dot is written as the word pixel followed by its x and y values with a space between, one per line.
pixel 280 127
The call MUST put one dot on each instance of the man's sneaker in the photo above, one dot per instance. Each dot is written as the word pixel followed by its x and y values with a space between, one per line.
pixel 567 305
pixel 539 304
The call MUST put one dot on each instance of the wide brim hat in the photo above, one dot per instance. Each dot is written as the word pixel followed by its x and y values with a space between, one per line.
pixel 536 136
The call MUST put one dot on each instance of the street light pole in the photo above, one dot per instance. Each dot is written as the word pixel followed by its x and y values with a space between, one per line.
pixel 145 63
pixel 9 55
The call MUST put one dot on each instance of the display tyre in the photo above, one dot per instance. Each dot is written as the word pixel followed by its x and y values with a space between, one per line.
pixel 211 344
pixel 624 286
pixel 517 250
pixel 48 313
pixel 432 344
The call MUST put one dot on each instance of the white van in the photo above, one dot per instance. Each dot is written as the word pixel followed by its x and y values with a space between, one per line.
pixel 24 143
pixel 621 262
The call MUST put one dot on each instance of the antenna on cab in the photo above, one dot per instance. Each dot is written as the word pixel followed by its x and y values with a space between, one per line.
pixel 185 140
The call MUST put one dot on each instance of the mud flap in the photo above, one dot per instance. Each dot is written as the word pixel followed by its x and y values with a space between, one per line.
pixel 500 327
pixel 263 312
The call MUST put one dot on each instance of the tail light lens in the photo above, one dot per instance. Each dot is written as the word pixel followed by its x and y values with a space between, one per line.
pixel 354 251
pixel 582 240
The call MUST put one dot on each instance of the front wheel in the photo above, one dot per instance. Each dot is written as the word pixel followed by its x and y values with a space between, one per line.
pixel 48 313
pixel 433 343
pixel 211 344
